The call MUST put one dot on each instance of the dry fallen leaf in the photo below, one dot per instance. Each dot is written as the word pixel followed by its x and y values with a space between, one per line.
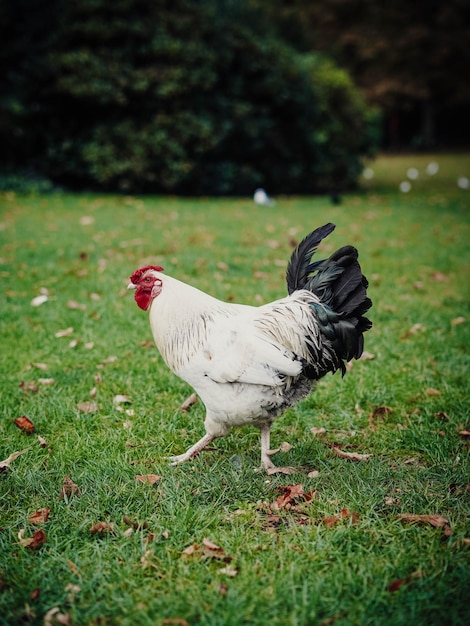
pixel 34 542
pixel 25 424
pixel 403 581
pixel 42 442
pixel 228 571
pixel 28 387
pixel 66 332
pixel 432 392
pixel 174 621
pixel 40 516
pixel 40 366
pixel 332 520
pixel 281 470
pixel 54 616
pixel 208 549
pixel 72 304
pixel 102 528
pixel 69 488
pixel 318 431
pixel 434 520
pixel 38 300
pixel 192 399
pixel 458 320
pixel 291 496
pixel 148 479
pixel 121 399
pixel 379 412
pixel 190 550
pixel 34 595
pixel 416 328
pixel 46 381
pixel 87 407
pixel 382 411
pixel 313 474
pixel 464 433
pixel 4 465
pixel 352 456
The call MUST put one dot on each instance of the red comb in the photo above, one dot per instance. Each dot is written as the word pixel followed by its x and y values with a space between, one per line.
pixel 137 275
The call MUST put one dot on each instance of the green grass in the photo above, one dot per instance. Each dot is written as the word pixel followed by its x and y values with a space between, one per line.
pixel 414 249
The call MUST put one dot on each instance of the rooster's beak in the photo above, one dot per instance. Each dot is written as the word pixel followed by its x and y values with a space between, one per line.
pixel 131 286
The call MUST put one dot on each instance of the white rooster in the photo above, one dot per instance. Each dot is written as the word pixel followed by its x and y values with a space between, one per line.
pixel 248 364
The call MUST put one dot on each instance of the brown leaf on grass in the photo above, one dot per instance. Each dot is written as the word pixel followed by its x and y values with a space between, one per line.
pixel 75 306
pixel 40 366
pixel 34 595
pixel 313 474
pixel 72 567
pixel 28 387
pixel 442 416
pixel 415 329
pixel 190 550
pixel 382 411
pixel 430 391
pixel 396 584
pixel 174 621
pixel 87 407
pixel 458 320
pixel 439 277
pixel 210 545
pixel 25 424
pixel 188 403
pixel 291 496
pixel 102 528
pixel 47 382
pixel 344 514
pixel 208 549
pixel 434 520
pixel 33 543
pixel 318 431
pixel 121 399
pixel 40 516
pixel 379 412
pixel 69 488
pixel 228 570
pixel 352 456
pixel 148 479
pixel 66 332
pixel 4 465
pixel 464 433
pixel 54 616
pixel 281 470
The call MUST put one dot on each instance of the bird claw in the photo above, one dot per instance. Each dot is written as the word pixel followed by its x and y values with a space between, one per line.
pixel 180 458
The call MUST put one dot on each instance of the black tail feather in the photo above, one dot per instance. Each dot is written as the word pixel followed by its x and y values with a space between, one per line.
pixel 298 268
pixel 340 285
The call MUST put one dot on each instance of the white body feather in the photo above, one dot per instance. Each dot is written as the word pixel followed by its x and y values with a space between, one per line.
pixel 245 362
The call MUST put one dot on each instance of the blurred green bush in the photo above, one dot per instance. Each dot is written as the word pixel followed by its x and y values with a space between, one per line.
pixel 173 97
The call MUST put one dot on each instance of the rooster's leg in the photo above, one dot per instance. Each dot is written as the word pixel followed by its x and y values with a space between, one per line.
pixel 192 451
pixel 266 462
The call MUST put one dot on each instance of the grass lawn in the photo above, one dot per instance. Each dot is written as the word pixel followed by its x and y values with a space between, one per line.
pixel 120 551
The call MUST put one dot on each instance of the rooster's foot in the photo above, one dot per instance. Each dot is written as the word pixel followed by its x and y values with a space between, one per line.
pixel 192 452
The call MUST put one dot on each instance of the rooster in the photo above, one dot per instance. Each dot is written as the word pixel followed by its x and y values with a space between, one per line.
pixel 249 364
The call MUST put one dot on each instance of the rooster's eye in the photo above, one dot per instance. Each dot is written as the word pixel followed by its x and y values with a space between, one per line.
pixel 148 279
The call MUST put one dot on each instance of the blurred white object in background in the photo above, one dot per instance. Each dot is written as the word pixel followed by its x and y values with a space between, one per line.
pixel 262 198
pixel 405 186
pixel 412 173
pixel 463 182
pixel 432 168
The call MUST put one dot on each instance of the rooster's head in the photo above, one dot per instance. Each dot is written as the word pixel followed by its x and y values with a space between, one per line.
pixel 147 285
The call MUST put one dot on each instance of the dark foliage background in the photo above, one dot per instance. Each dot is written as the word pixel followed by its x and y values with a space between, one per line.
pixel 181 97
